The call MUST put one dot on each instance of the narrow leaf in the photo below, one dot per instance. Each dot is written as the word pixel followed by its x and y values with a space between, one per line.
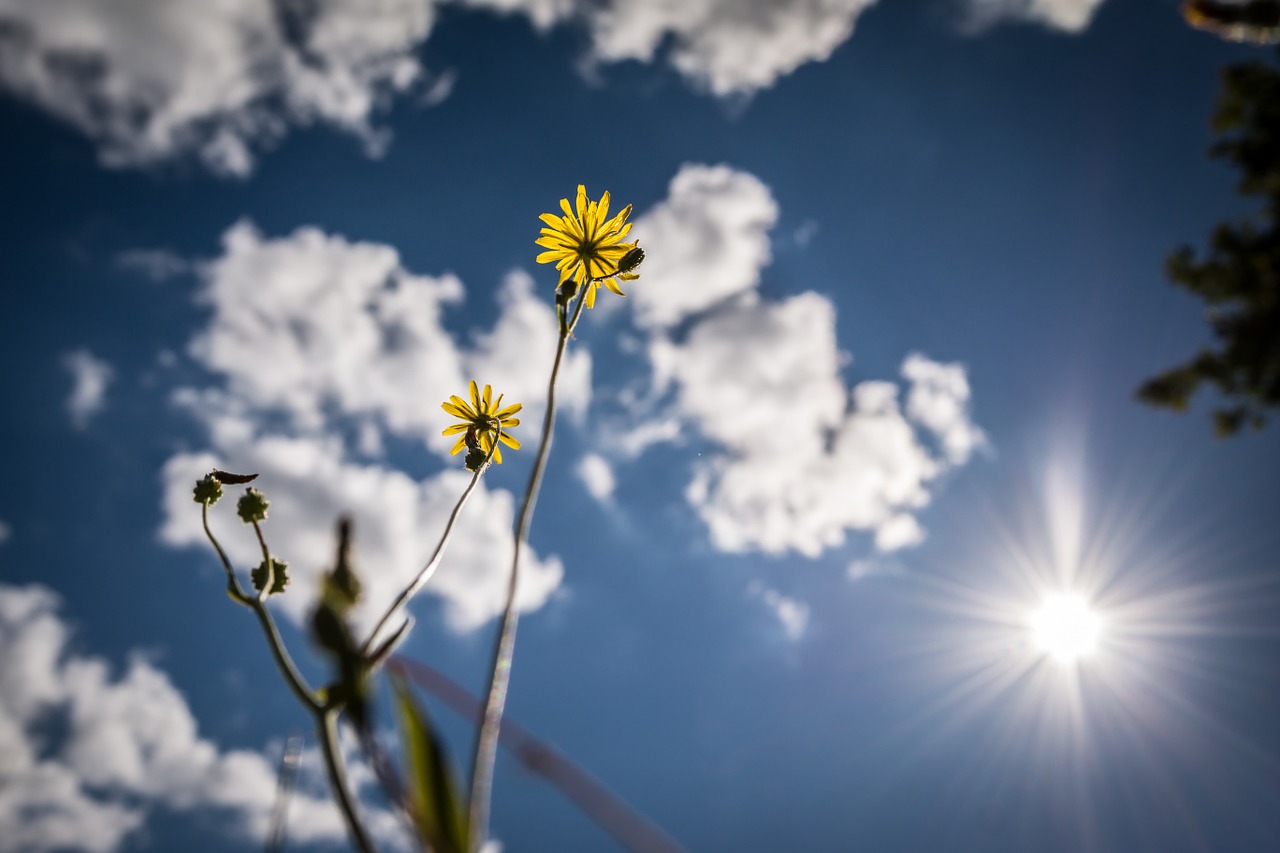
pixel 433 799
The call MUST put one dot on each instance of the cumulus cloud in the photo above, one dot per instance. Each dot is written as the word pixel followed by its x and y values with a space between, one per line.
pixel 155 79
pixel 1071 16
pixel 939 400
pixel 712 228
pixel 321 345
pixel 124 745
pixel 596 474
pixel 791 613
pixel 90 377
pixel 728 47
pixel 798 458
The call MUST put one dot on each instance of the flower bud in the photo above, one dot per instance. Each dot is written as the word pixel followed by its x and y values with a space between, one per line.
pixel 252 506
pixel 632 259
pixel 208 490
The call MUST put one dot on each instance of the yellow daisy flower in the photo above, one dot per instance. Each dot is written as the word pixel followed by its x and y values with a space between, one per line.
pixel 585 245
pixel 482 419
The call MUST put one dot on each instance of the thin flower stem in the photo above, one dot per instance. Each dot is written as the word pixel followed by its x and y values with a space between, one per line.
pixel 429 569
pixel 327 730
pixel 325 716
pixel 233 585
pixel 504 647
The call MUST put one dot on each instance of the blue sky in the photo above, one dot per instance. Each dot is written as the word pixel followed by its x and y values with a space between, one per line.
pixel 868 405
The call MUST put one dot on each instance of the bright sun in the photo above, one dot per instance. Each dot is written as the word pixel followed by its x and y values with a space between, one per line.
pixel 1066 628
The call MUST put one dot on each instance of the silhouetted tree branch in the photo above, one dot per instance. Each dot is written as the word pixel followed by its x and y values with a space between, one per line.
pixel 1239 277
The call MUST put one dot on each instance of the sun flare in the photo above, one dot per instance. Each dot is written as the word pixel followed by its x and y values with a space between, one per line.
pixel 1066 628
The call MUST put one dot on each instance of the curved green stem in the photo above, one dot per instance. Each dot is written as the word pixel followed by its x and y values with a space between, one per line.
pixel 429 569
pixel 327 731
pixel 504 648
pixel 326 717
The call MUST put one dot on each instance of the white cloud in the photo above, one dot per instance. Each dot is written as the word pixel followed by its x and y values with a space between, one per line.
pixel 790 612
pixel 150 81
pixel 90 377
pixel 712 232
pixel 154 79
pixel 323 344
pixel 939 400
pixel 799 458
pixel 155 264
pixel 728 47
pixel 6 532
pixel 125 745
pixel 1071 16
pixel 597 475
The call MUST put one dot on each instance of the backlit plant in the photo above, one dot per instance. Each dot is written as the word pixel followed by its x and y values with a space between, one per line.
pixel 588 250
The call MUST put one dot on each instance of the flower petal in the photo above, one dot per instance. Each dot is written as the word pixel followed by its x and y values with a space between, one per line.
pixel 455 429
pixel 581 204
pixel 488 396
pixel 602 210
pixel 475 397
pixel 458 445
pixel 509 441
pixel 463 412
pixel 612 284
pixel 509 410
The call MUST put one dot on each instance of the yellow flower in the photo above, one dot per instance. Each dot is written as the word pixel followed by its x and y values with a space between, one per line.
pixel 481 421
pixel 585 245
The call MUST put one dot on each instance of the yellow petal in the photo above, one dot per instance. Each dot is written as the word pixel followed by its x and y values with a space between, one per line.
pixel 509 410
pixel 457 411
pixel 488 396
pixel 581 204
pixel 509 441
pixel 497 456
pixel 551 219
pixel 508 423
pixel 548 257
pixel 455 429
pixel 475 396
pixel 602 210
pixel 591 296
pixel 612 284
pixel 628 276
pixel 458 445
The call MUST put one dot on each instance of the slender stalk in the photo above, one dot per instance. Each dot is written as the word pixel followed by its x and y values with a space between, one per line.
pixel 327 731
pixel 326 717
pixel 233 585
pixel 504 647
pixel 429 569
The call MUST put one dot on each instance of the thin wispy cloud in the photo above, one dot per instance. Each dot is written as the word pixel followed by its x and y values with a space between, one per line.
pixel 90 377
pixel 791 613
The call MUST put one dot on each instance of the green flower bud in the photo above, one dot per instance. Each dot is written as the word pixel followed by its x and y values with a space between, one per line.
pixel 475 459
pixel 632 259
pixel 252 506
pixel 208 490
pixel 279 576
